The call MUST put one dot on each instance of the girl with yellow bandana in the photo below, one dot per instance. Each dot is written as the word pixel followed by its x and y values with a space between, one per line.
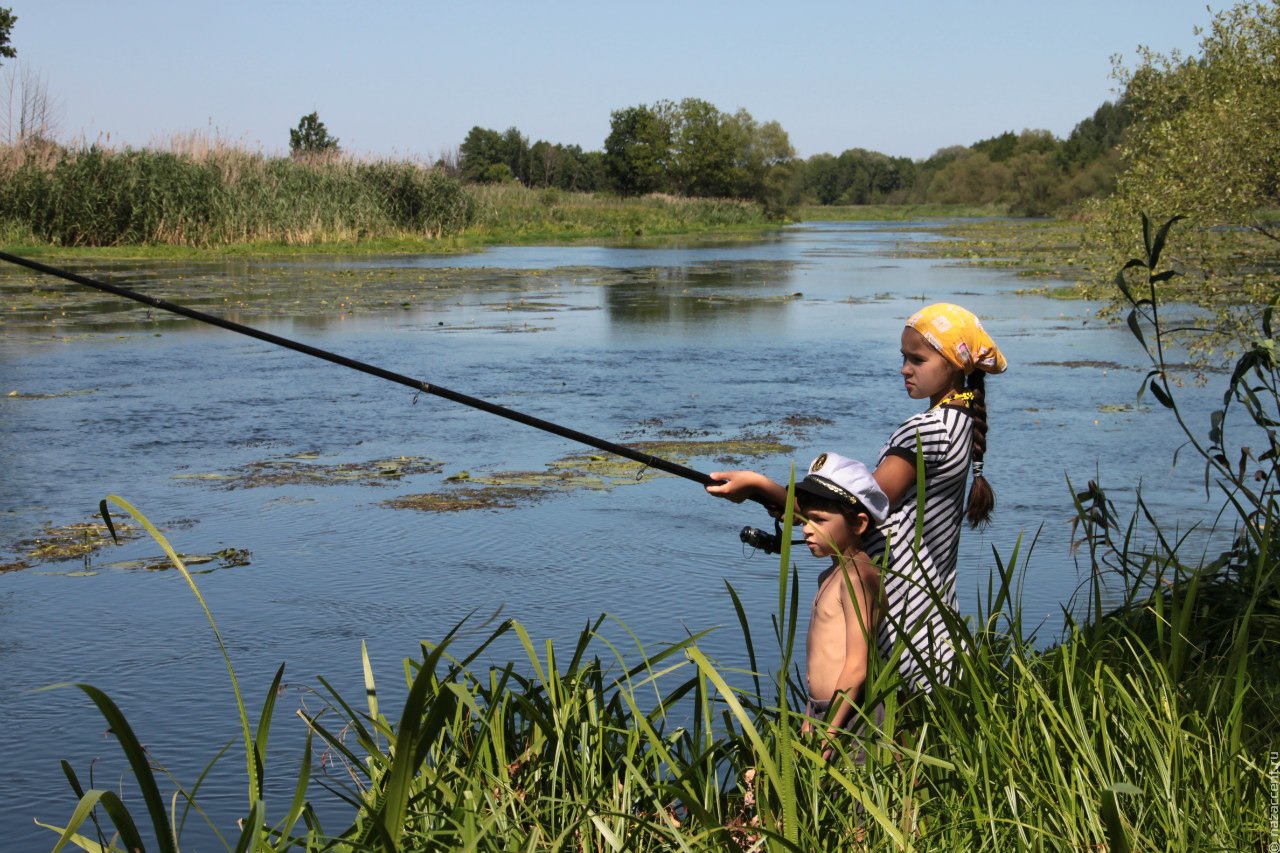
pixel 946 355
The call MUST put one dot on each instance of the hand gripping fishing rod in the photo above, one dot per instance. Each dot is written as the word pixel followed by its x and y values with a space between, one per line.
pixel 631 453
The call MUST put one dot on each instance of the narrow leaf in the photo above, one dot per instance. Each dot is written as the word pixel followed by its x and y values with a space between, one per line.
pixel 106 518
pixel 1161 235
pixel 140 764
pixel 1136 327
pixel 1163 396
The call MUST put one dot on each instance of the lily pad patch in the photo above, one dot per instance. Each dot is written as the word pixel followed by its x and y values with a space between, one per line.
pixel 226 558
pixel 304 469
pixel 67 542
pixel 469 490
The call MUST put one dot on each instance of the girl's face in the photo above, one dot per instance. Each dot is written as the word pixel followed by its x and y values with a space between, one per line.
pixel 924 370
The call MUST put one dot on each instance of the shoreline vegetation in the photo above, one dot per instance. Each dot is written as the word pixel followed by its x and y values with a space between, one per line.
pixel 201 199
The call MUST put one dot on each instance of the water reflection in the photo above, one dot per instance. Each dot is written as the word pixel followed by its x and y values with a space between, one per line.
pixel 702 293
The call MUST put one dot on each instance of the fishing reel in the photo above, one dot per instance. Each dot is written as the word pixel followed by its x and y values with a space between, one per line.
pixel 761 540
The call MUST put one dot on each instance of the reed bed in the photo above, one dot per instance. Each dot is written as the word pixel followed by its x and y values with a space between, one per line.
pixel 511 213
pixel 220 195
pixel 1144 727
pixel 207 193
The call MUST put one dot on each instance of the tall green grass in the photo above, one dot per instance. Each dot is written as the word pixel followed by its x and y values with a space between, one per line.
pixel 220 196
pixel 511 213
pixel 1147 726
pixel 1109 740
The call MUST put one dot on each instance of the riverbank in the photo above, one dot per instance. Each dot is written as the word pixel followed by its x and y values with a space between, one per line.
pixel 504 215
pixel 1052 255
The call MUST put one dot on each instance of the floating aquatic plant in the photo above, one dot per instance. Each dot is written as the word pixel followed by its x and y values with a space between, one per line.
pixel 303 469
pixel 76 541
pixel 469 490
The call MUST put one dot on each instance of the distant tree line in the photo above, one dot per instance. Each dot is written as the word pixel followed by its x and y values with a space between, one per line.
pixel 489 157
pixel 689 148
pixel 692 148
pixel 1031 173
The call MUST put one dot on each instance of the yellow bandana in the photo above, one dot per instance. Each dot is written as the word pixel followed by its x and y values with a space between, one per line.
pixel 959 336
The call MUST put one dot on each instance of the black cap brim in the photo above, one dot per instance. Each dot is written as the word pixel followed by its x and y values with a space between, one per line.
pixel 819 488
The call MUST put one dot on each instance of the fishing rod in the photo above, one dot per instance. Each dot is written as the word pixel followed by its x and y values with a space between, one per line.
pixel 749 535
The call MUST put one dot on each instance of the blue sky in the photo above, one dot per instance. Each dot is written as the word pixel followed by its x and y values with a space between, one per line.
pixel 411 78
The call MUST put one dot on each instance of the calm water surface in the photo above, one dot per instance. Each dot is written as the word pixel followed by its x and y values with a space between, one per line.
pixel 621 343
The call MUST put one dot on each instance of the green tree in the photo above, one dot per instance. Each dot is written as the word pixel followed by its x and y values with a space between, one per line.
pixel 591 174
pixel 481 150
pixel 1096 137
pixel 695 149
pixel 1034 179
pixel 969 178
pixel 514 150
pixel 704 150
pixel 762 153
pixel 997 148
pixel 544 164
pixel 564 167
pixel 820 180
pixel 311 138
pixel 1202 143
pixel 484 150
pixel 869 177
pixel 7 20
pixel 638 150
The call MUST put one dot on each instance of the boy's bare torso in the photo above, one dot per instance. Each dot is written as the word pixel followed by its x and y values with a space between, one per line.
pixel 830 644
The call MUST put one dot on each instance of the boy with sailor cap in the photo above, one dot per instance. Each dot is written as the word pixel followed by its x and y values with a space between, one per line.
pixel 839 501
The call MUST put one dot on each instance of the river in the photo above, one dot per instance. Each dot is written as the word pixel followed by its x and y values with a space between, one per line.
pixel 793 337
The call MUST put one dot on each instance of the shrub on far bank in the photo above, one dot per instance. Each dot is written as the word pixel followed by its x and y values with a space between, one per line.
pixel 513 213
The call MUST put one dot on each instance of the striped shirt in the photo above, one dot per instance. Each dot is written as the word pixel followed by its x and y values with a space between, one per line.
pixel 946 440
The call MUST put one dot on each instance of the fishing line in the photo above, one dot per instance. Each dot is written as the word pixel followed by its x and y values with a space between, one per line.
pixel 646 459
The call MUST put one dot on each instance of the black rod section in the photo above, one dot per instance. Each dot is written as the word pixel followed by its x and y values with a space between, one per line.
pixel 373 370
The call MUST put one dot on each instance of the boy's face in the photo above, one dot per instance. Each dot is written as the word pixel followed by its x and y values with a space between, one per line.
pixel 830 533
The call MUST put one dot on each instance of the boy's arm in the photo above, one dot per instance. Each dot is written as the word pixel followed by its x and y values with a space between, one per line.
pixel 740 485
pixel 861 617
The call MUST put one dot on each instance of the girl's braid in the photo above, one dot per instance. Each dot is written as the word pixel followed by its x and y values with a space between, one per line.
pixel 982 500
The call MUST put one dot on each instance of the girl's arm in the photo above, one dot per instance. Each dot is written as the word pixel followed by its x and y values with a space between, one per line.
pixel 738 486
pixel 895 476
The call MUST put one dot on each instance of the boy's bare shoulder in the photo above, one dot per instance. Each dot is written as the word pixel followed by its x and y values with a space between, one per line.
pixel 863 565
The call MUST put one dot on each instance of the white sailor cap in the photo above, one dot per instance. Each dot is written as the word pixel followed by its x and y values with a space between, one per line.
pixel 838 478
